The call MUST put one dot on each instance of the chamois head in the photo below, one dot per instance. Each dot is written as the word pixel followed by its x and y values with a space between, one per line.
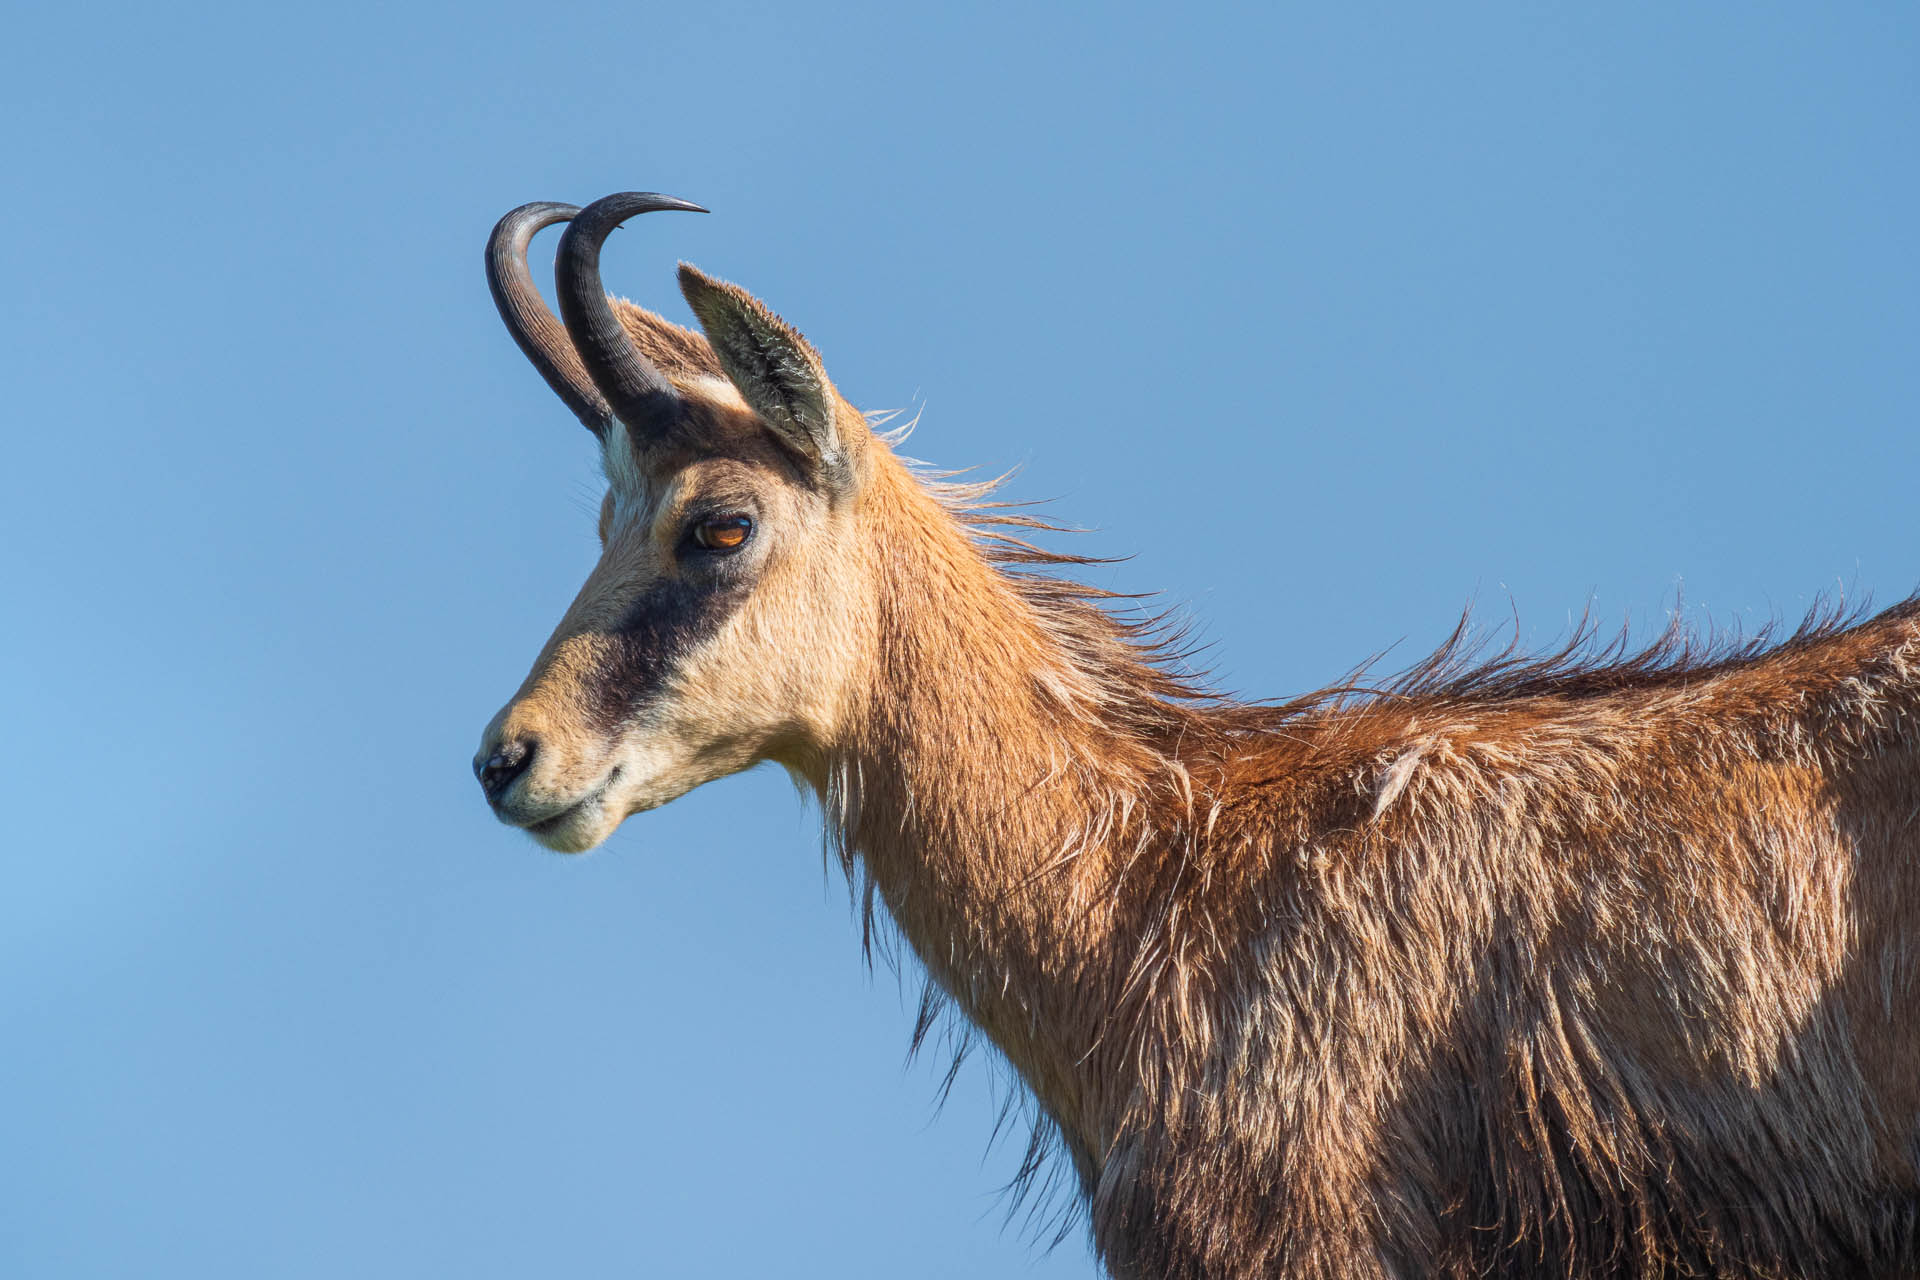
pixel 718 627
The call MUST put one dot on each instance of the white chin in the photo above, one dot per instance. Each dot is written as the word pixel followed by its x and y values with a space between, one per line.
pixel 577 830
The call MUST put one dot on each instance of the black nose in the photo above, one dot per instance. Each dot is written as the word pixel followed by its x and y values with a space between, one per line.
pixel 508 761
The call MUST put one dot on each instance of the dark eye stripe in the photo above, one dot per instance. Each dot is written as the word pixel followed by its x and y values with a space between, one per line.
pixel 657 631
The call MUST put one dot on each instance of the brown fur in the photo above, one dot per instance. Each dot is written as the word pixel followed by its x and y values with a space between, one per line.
pixel 1598 965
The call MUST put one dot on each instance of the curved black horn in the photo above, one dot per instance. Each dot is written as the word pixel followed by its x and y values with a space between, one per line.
pixel 639 393
pixel 535 328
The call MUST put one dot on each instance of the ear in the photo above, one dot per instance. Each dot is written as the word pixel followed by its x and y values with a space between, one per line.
pixel 776 372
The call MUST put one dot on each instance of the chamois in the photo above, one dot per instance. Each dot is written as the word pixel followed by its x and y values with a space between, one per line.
pixel 1598 964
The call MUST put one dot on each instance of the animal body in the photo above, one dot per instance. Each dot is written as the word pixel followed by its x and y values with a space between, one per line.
pixel 1579 967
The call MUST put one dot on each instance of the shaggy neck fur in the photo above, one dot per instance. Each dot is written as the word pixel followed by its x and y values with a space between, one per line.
pixel 994 787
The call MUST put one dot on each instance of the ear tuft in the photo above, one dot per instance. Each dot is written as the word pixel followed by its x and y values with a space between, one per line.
pixel 776 372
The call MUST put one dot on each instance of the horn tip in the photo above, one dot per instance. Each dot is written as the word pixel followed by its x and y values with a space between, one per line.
pixel 660 202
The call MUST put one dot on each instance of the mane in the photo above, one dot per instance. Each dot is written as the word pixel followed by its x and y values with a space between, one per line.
pixel 1590 664
pixel 1136 657
pixel 1142 658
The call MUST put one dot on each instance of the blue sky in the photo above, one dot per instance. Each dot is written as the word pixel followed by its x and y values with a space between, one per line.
pixel 1334 319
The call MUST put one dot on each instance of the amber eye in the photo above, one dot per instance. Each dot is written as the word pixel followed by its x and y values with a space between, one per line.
pixel 723 533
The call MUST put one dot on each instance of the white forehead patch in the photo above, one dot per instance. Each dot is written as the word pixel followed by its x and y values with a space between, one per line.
pixel 620 463
pixel 632 490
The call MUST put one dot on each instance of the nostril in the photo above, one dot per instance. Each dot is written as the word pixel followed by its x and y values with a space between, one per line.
pixel 508 761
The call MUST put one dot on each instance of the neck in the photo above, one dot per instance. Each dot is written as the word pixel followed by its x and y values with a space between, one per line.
pixel 997 787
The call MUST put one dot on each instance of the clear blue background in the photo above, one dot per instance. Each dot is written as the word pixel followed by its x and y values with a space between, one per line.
pixel 1336 318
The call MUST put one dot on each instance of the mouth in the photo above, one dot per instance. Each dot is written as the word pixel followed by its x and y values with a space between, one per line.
pixel 550 826
pixel 562 830
pixel 547 826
